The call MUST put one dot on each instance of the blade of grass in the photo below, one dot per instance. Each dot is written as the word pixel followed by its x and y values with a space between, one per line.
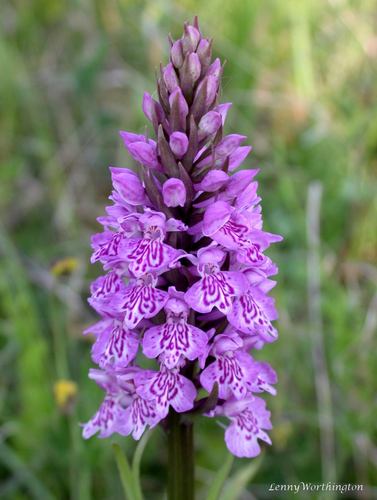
pixel 32 361
pixel 23 473
pixel 125 473
pixel 137 462
pixel 302 49
pixel 220 478
pixel 321 371
pixel 240 480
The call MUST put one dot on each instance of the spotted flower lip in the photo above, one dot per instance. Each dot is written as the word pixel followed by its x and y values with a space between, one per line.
pixel 103 290
pixel 216 288
pixel 235 371
pixel 230 370
pixel 167 388
pixel 176 338
pixel 115 346
pixel 149 254
pixel 141 299
pixel 187 277
pixel 249 421
pixel 122 410
pixel 252 312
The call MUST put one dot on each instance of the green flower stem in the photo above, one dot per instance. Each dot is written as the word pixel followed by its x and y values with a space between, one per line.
pixel 181 458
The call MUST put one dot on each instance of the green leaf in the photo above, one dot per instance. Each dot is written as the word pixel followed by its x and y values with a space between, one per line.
pixel 220 478
pixel 125 473
pixel 137 461
pixel 240 480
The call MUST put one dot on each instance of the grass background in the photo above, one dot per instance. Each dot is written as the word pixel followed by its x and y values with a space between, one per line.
pixel 302 76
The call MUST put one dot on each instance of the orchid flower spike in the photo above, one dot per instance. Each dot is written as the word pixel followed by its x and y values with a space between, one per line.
pixel 186 278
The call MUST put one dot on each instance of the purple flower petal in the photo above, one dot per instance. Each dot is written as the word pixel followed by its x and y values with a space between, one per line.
pixel 240 181
pixel 213 181
pixel 215 217
pixel 223 110
pixel 237 157
pixel 262 377
pixel 104 421
pixel 128 185
pixel 170 78
pixel 229 144
pixel 144 153
pixel 232 233
pixel 176 54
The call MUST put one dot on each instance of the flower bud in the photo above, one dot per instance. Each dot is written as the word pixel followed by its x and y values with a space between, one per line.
pixel 170 77
pixel 239 181
pixel 213 181
pixel 141 149
pixel 204 53
pixel 128 185
pixel 215 69
pixel 189 73
pixel 174 193
pixel 153 111
pixel 209 124
pixel 144 153
pixel 190 39
pixel 179 110
pixel 178 144
pixel 205 94
pixel 176 54
pixel 212 88
pixel 148 105
pixel 130 137
pixel 238 156
pixel 223 110
pixel 229 144
pixel 193 67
